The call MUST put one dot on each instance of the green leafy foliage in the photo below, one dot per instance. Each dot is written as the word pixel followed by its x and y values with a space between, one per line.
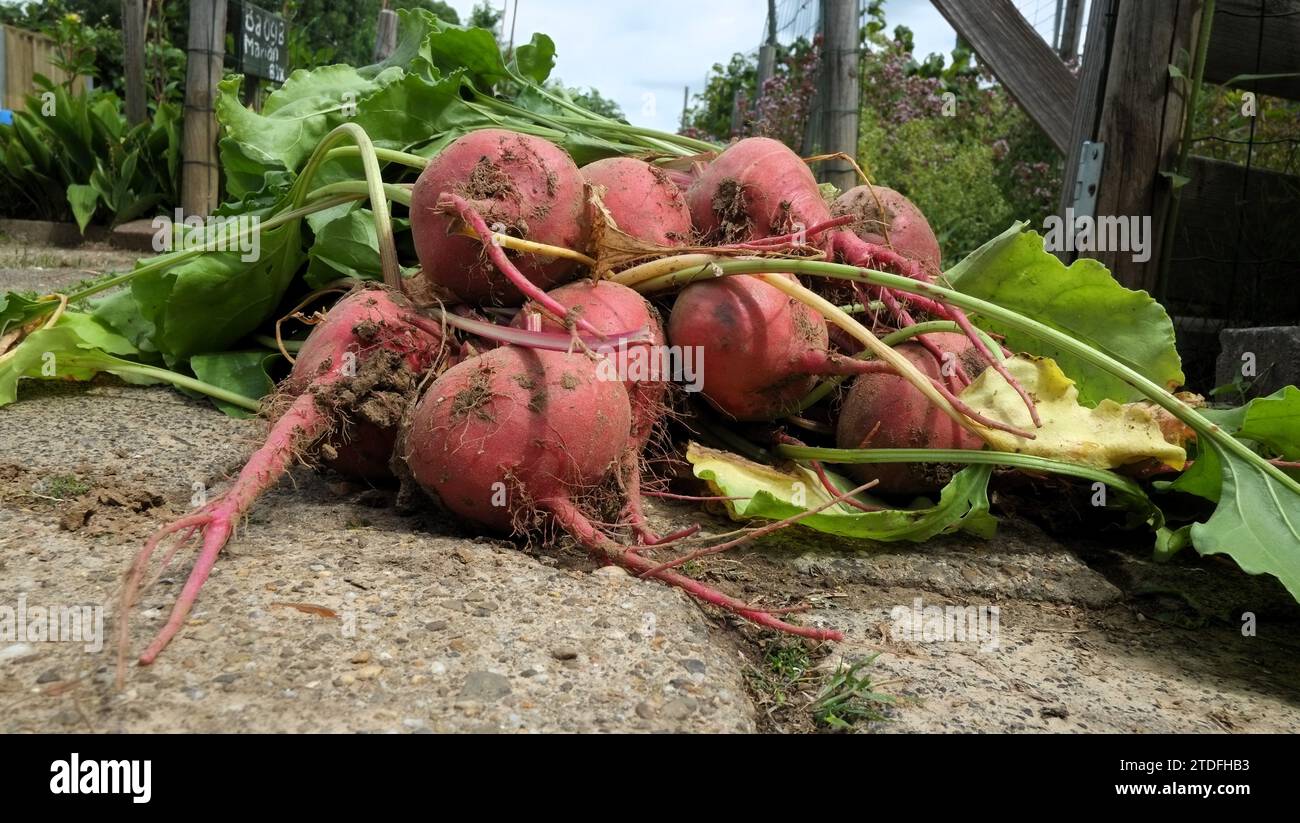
pixel 344 246
pixel 1082 300
pixel 1257 522
pixel 1257 519
pixel 343 31
pixel 78 347
pixel 242 372
pixel 848 697
pixel 1271 424
pixel 74 156
pixel 210 303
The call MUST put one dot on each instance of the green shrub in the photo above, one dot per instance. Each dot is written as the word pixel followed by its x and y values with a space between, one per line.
pixel 75 156
pixel 951 181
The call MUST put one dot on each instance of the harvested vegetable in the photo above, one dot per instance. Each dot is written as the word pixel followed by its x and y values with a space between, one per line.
pixel 364 359
pixel 505 437
pixel 642 200
pixel 761 348
pixel 884 411
pixel 610 308
pixel 757 188
pixel 884 217
pixel 520 185
pixel 533 431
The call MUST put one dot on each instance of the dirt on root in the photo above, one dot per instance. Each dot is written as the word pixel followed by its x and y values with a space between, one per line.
pixel 731 205
pixel 473 399
pixel 488 182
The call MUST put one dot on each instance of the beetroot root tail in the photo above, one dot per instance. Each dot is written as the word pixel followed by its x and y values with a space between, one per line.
pixel 872 254
pixel 633 511
pixel 220 524
pixel 863 254
pixel 576 523
pixel 302 423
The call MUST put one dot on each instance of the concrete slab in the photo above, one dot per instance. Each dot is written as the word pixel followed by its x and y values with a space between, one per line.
pixel 1270 354
pixel 330 611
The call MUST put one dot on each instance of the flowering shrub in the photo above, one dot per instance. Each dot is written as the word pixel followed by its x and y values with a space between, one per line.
pixel 781 110
pixel 952 139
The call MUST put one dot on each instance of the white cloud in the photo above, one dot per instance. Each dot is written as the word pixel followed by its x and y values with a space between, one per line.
pixel 642 53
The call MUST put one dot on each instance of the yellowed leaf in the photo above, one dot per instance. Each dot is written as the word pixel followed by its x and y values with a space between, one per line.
pixel 1104 437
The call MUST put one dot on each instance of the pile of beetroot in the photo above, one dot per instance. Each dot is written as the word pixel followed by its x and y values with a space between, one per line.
pixel 486 383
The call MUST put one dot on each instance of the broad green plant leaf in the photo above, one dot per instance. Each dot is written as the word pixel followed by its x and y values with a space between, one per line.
pixel 1257 523
pixel 78 347
pixel 209 303
pixel 243 372
pixel 83 199
pixel 1271 423
pixel 1084 301
pixel 345 245
pixel 535 59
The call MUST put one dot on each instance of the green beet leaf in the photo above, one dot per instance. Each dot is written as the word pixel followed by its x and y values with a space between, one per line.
pixel 1082 300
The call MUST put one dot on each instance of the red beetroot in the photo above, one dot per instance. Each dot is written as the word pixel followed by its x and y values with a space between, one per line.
pixel 761 348
pixel 884 217
pixel 611 308
pixel 522 186
pixel 515 436
pixel 642 199
pixel 884 411
pixel 503 436
pixel 756 188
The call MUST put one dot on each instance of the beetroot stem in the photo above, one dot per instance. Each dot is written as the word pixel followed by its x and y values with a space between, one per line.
pixel 575 523
pixel 499 258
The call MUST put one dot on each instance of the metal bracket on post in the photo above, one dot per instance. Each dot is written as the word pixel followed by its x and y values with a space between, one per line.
pixel 1088 178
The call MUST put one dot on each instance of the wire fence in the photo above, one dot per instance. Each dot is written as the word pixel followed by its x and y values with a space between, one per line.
pixel 1236 245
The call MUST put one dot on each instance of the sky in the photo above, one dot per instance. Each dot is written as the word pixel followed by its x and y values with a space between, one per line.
pixel 641 54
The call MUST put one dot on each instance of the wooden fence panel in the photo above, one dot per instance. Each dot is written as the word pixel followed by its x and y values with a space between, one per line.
pixel 27 54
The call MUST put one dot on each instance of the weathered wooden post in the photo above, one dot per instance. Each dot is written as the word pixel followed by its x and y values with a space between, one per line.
pixel 200 175
pixel 1140 125
pixel 842 98
pixel 1022 61
pixel 767 51
pixel 1070 27
pixel 385 34
pixel 133 57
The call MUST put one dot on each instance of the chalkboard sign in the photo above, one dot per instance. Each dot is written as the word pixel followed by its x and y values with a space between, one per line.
pixel 261 47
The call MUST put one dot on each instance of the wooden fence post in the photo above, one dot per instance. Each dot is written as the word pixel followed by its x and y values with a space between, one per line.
pixel 133 49
pixel 385 34
pixel 1141 123
pixel 843 98
pixel 201 176
pixel 1021 60
pixel 767 51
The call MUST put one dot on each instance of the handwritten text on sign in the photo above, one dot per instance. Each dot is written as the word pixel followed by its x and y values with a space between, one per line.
pixel 262 43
